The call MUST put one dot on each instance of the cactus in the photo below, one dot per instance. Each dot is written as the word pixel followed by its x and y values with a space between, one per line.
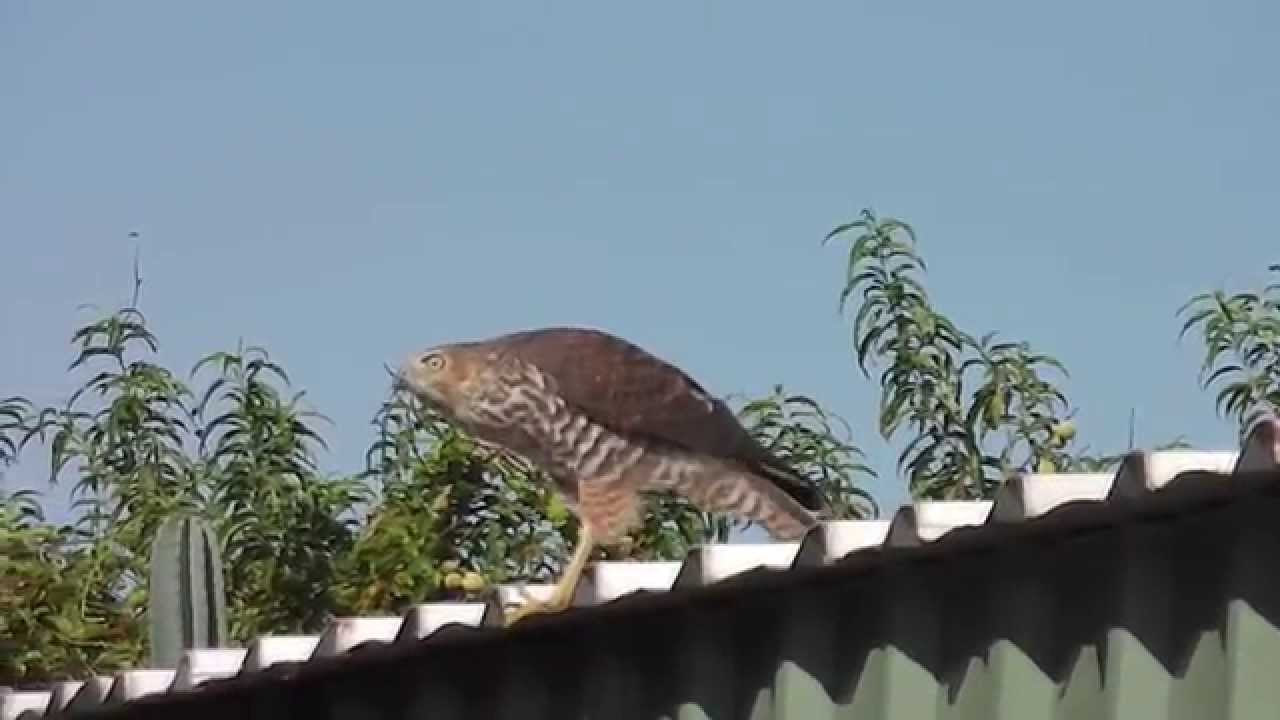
pixel 188 607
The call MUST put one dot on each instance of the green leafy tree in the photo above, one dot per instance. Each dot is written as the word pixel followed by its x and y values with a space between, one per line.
pixel 1027 411
pixel 65 614
pixel 282 523
pixel 13 418
pixel 975 410
pixel 1241 337
pixel 124 431
pixel 240 456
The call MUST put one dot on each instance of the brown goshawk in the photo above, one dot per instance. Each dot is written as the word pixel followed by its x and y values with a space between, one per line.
pixel 607 421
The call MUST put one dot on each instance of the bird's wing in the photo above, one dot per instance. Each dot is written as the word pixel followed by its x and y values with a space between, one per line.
pixel 631 391
pixel 627 389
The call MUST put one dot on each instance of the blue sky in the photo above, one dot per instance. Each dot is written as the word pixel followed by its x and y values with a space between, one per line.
pixel 345 183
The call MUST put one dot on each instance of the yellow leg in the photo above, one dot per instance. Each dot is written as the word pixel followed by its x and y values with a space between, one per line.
pixel 562 596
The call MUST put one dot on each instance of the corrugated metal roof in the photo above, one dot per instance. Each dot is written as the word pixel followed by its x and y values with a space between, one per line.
pixel 1145 593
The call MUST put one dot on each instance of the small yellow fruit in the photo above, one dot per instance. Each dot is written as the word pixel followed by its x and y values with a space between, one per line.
pixel 473 582
pixel 453 580
pixel 1066 430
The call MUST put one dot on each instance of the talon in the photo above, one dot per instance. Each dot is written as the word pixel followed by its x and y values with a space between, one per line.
pixel 515 611
pixel 562 598
pixel 520 612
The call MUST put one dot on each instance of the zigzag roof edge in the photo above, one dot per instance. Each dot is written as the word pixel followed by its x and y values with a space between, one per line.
pixel 1025 498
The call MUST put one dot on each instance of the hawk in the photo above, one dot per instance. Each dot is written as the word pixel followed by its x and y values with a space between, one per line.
pixel 607 421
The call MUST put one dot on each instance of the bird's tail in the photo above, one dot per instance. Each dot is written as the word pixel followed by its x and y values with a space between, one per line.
pixel 735 490
pixel 803 491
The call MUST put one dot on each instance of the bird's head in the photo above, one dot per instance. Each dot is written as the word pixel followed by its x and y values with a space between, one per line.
pixel 445 376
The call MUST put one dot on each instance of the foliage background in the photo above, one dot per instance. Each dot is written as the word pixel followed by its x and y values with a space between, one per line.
pixel 432 516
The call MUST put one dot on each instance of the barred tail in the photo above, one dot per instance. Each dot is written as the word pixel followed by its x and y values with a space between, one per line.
pixel 798 488
pixel 725 488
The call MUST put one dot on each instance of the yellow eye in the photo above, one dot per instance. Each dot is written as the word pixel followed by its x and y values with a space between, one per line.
pixel 434 361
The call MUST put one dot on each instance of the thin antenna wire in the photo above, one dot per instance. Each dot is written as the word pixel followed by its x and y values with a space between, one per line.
pixel 1133 421
pixel 137 270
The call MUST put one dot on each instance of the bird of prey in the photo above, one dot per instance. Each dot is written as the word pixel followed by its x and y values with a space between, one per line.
pixel 607 421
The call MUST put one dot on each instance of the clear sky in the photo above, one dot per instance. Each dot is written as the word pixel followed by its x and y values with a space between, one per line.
pixel 344 183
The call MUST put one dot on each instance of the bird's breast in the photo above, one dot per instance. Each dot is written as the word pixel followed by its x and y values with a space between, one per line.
pixel 529 417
